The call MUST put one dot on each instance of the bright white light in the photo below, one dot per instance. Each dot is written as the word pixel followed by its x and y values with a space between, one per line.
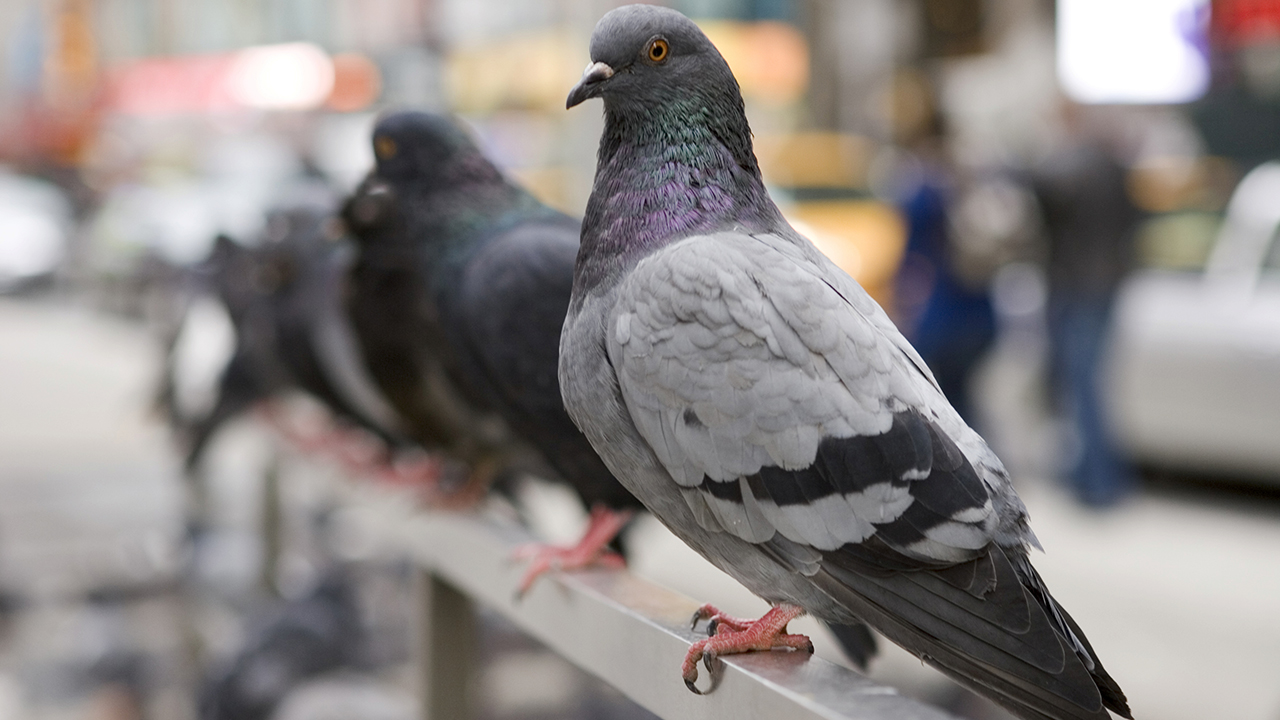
pixel 31 244
pixel 294 76
pixel 1133 51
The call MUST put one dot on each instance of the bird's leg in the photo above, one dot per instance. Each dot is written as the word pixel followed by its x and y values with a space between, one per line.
pixel 767 633
pixel 591 550
pixel 359 453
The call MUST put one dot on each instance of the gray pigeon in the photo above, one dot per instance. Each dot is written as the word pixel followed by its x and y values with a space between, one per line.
pixel 763 406
pixel 464 279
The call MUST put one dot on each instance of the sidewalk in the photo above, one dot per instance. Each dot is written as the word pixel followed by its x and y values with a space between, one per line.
pixel 89 519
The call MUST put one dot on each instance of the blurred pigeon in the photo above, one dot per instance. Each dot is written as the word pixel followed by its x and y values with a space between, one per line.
pixel 296 641
pixel 459 297
pixel 207 376
pixel 283 303
pixel 764 407
pixel 303 269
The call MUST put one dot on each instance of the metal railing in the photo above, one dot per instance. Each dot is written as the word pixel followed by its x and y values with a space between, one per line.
pixel 628 632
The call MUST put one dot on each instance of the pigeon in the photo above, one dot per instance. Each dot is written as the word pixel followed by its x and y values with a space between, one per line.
pixel 302 269
pixel 463 283
pixel 283 301
pixel 766 410
pixel 208 376
pixel 457 298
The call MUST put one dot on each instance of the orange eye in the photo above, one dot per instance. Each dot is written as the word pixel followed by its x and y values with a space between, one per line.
pixel 658 50
pixel 384 147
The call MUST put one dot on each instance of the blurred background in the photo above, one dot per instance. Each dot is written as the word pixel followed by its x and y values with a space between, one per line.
pixel 1069 207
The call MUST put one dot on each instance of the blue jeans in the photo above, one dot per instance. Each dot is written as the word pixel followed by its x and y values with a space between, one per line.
pixel 1100 475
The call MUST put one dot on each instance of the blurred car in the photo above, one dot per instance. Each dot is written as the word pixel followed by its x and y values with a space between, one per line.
pixel 34 221
pixel 1195 363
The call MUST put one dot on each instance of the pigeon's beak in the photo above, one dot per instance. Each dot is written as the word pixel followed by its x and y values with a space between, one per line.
pixel 589 86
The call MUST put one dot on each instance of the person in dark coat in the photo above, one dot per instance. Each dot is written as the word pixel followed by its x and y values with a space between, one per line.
pixel 1090 222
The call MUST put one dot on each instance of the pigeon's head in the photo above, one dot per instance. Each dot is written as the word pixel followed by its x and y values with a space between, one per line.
pixel 645 57
pixel 421 147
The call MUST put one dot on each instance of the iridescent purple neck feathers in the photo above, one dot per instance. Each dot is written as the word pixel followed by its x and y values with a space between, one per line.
pixel 670 176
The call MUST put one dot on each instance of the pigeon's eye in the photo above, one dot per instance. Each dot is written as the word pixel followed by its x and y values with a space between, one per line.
pixel 658 50
pixel 384 147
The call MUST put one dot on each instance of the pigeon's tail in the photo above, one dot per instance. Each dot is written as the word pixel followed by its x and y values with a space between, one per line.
pixel 1112 696
pixel 857 642
pixel 990 624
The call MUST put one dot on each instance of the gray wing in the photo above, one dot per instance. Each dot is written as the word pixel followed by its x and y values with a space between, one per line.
pixel 780 409
pixel 793 415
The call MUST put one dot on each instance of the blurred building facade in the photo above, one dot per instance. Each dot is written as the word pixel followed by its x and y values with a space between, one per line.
pixel 135 109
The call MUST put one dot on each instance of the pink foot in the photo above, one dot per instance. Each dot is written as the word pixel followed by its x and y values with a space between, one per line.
pixel 590 551
pixel 355 450
pixel 362 455
pixel 719 620
pixel 735 635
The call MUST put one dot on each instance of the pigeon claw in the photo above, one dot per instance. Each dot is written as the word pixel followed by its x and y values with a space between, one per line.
pixel 590 551
pixel 718 619
pixel 734 635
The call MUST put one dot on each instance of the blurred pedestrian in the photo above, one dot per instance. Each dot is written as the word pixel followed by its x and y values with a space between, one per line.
pixel 946 314
pixel 1090 222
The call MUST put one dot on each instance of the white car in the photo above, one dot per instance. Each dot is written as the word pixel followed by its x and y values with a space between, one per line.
pixel 1195 364
pixel 34 222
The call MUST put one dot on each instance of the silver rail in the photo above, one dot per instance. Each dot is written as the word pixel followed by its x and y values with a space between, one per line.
pixel 628 632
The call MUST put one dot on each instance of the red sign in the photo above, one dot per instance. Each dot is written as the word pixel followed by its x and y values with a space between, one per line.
pixel 1241 22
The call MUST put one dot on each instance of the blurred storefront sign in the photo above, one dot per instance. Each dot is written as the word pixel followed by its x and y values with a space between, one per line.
pixel 356 82
pixel 54 67
pixel 1240 22
pixel 294 76
pixel 1137 51
pixel 291 76
pixel 162 86
pixel 72 70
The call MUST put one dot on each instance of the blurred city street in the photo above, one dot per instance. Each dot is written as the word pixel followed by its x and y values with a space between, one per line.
pixel 95 624
pixel 92 517
pixel 259 258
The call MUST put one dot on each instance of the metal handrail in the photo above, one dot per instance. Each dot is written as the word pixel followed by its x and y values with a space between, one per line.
pixel 626 631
